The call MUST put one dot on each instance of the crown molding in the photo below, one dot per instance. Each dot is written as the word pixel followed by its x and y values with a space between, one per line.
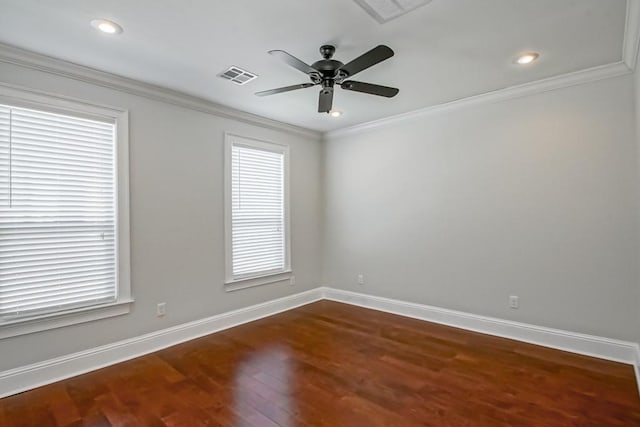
pixel 631 44
pixel 630 47
pixel 35 61
pixel 631 34
pixel 545 85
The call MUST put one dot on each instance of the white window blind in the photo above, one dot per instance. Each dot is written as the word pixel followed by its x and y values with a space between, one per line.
pixel 257 211
pixel 57 212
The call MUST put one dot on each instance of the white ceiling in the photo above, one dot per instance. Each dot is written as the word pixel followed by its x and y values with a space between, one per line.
pixel 446 50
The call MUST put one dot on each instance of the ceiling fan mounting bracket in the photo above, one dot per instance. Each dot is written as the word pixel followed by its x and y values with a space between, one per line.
pixel 327 51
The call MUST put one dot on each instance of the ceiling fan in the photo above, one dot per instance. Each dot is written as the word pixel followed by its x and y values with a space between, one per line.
pixel 330 72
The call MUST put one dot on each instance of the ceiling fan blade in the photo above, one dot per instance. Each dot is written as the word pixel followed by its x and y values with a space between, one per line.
pixel 284 89
pixel 325 101
pixel 293 61
pixel 369 59
pixel 369 88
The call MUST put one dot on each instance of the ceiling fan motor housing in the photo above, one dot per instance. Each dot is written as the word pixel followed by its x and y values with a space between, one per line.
pixel 327 67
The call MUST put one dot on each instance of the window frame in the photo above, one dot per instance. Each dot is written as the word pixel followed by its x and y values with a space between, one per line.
pixel 231 283
pixel 28 98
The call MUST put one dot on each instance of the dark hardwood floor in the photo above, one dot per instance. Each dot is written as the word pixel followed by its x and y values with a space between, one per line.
pixel 330 364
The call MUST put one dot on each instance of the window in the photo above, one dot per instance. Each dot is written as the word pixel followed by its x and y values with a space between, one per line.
pixel 60 247
pixel 256 212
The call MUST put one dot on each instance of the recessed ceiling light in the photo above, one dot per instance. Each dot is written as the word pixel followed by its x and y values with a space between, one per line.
pixel 106 26
pixel 335 113
pixel 527 58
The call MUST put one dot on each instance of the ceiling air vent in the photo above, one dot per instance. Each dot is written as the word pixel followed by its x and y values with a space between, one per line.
pixel 386 10
pixel 238 75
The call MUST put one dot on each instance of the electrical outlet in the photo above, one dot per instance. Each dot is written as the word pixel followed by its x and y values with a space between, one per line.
pixel 360 279
pixel 161 309
pixel 292 281
pixel 514 302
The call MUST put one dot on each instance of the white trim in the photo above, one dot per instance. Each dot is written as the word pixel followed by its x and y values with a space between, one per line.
pixel 123 235
pixel 526 89
pixel 29 98
pixel 35 61
pixel 31 60
pixel 631 34
pixel 38 374
pixel 231 283
pixel 250 282
pixel 65 318
pixel 589 345
pixel 35 375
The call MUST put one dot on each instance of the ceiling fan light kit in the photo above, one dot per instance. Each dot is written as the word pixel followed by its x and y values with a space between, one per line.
pixel 329 72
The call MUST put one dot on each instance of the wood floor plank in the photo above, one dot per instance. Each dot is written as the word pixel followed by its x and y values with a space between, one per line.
pixel 330 364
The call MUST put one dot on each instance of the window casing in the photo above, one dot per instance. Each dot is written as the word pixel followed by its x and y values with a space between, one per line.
pixel 64 223
pixel 256 212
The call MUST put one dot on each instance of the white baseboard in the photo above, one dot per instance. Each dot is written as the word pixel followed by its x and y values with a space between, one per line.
pixel 589 345
pixel 28 377
pixel 35 375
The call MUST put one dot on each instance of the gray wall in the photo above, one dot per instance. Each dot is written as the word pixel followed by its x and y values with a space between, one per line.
pixel 636 77
pixel 177 219
pixel 534 196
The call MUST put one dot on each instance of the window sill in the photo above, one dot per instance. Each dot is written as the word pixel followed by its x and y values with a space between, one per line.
pixel 250 282
pixel 45 322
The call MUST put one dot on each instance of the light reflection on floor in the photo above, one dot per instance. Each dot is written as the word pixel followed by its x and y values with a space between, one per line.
pixel 262 385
